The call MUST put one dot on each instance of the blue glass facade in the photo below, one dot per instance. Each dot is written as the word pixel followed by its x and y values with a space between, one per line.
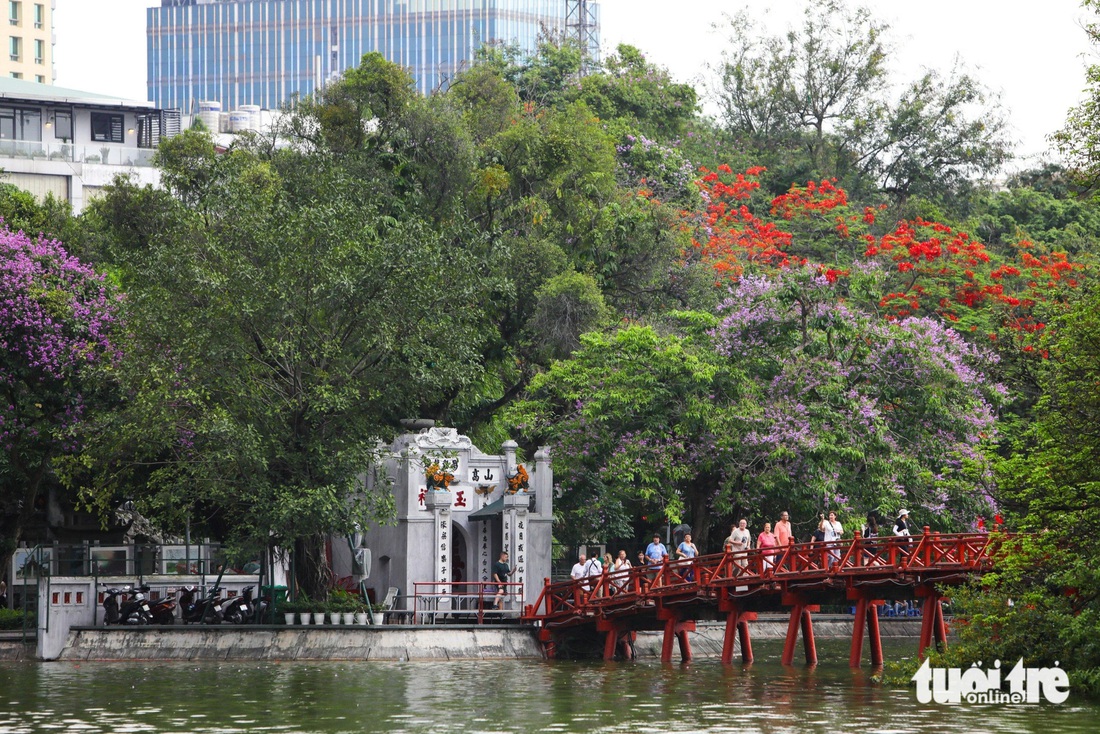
pixel 261 52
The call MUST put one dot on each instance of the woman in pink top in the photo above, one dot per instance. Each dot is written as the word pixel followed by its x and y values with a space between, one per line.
pixel 767 540
pixel 783 532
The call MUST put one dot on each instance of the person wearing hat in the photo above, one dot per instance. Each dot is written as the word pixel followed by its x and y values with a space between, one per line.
pixel 901 525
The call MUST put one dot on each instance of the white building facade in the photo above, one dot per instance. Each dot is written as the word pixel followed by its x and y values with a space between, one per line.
pixel 445 541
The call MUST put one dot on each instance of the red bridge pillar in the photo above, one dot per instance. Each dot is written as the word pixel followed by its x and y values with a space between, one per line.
pixel 866 615
pixel 737 622
pixel 932 626
pixel 675 628
pixel 800 617
pixel 616 635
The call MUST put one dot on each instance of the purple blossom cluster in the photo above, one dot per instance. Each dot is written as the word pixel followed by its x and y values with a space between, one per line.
pixel 848 399
pixel 56 318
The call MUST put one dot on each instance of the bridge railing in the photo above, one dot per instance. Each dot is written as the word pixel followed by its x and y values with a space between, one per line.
pixel 749 570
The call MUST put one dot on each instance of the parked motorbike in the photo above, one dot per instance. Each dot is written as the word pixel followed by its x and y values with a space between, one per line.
pixel 164 611
pixel 240 609
pixel 200 610
pixel 133 610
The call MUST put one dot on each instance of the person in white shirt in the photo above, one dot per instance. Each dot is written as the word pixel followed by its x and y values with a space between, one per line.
pixel 622 563
pixel 578 569
pixel 833 531
pixel 592 567
pixel 738 542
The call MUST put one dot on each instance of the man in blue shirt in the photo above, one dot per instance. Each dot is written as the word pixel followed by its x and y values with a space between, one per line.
pixel 655 554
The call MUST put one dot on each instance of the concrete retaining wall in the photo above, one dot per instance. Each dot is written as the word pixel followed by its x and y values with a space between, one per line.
pixel 397 642
pixel 14 647
pixel 300 643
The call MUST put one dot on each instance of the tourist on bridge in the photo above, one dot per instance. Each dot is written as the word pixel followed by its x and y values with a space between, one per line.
pixel 901 525
pixel 767 541
pixel 655 554
pixel 870 530
pixel 739 542
pixel 784 535
pixel 592 567
pixel 833 531
pixel 687 550
pixel 622 563
pixel 902 529
pixel 578 568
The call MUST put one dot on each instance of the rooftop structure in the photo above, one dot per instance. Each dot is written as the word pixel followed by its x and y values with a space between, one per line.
pixel 71 143
pixel 263 52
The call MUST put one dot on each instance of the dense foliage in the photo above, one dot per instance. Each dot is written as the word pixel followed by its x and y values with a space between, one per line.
pixel 813 302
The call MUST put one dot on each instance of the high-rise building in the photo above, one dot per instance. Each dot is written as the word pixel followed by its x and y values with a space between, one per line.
pixel 262 52
pixel 30 41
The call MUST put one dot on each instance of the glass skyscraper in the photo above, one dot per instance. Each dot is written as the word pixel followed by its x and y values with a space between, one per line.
pixel 261 52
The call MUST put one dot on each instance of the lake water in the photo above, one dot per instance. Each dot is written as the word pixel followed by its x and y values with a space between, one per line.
pixel 499 696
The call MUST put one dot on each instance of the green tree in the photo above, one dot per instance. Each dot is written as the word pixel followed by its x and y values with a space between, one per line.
pixel 815 104
pixel 277 337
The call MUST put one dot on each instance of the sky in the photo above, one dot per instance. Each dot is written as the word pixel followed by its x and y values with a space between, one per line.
pixel 1032 53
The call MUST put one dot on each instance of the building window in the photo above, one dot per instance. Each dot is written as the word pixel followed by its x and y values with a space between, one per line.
pixel 106 128
pixel 14 14
pixel 15 47
pixel 40 79
pixel 17 124
pixel 63 125
pixel 39 15
pixel 17 75
pixel 39 51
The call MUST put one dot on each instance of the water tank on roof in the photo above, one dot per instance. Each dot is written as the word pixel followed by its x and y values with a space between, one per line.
pixel 253 111
pixel 209 113
pixel 239 121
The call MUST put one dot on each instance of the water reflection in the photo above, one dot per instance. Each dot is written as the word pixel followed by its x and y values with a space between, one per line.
pixel 493 696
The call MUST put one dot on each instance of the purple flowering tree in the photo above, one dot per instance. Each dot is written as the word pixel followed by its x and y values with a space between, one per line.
pixel 790 399
pixel 857 413
pixel 56 319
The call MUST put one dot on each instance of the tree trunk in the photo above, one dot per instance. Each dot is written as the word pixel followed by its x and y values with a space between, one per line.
pixel 312 573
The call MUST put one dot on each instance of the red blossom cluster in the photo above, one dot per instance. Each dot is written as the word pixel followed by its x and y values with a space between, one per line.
pixel 933 268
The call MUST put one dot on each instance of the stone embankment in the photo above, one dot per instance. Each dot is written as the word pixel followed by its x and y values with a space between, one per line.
pixel 395 642
pixel 15 646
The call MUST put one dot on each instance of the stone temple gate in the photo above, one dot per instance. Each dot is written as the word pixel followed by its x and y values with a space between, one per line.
pixel 455 534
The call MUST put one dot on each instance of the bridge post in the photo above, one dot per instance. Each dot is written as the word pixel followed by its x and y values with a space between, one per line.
pixel 549 645
pixel 675 628
pixel 808 636
pixel 866 616
pixel 737 623
pixel 743 636
pixel 933 630
pixel 800 617
pixel 615 634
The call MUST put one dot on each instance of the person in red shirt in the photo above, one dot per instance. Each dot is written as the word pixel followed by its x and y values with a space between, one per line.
pixel 783 533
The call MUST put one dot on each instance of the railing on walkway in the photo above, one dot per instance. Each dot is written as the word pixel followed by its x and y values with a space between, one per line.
pixel 798 565
pixel 464 601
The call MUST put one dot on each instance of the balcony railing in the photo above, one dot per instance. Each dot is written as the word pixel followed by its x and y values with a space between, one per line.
pixel 67 152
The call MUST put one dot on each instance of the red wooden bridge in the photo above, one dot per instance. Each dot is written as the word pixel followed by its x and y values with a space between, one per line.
pixel 862 572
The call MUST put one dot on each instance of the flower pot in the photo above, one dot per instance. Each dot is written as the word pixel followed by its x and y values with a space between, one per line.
pixel 376 618
pixel 289 616
pixel 349 617
pixel 360 617
pixel 318 617
pixel 334 617
pixel 306 617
